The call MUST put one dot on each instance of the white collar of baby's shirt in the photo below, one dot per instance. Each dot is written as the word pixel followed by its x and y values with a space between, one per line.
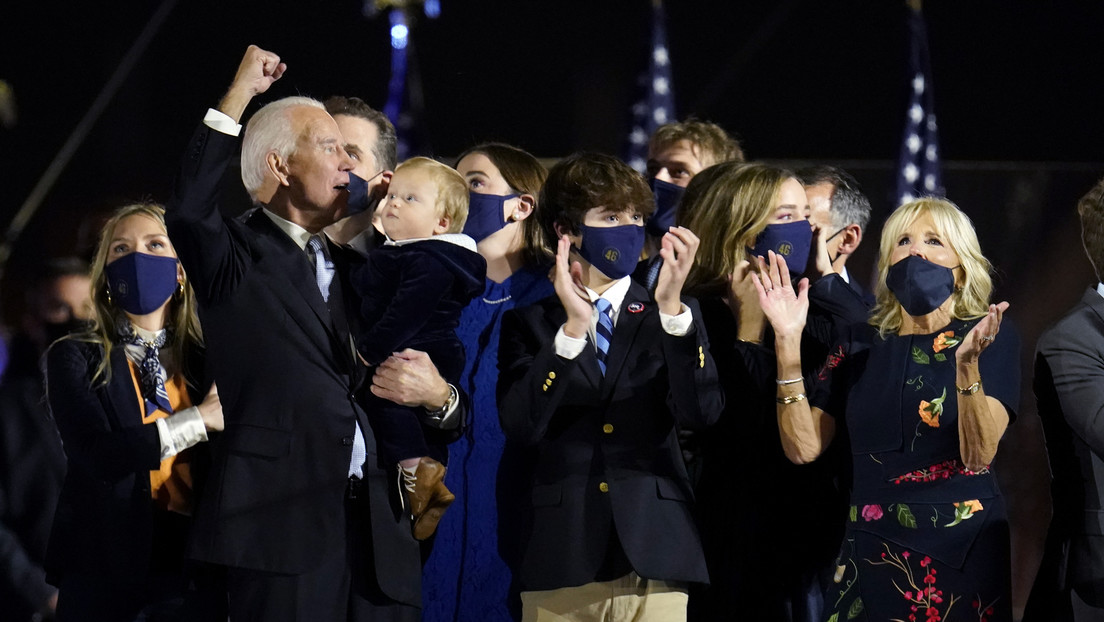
pixel 459 239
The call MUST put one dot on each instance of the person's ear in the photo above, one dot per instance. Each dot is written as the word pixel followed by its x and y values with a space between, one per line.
pixel 380 191
pixel 278 168
pixel 525 205
pixel 442 225
pixel 560 229
pixel 852 237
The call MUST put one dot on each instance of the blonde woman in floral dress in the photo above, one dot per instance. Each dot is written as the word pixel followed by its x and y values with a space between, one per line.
pixel 923 393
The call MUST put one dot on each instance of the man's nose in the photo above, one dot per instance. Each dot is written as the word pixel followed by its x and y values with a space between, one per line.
pixel 663 175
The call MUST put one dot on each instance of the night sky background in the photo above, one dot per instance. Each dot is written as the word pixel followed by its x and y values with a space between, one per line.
pixel 1017 91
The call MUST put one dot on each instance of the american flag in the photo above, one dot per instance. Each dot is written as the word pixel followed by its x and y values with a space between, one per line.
pixel 918 166
pixel 657 106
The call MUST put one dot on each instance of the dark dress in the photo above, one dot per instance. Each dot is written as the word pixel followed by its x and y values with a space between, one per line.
pixel 926 538
pixel 412 295
pixel 467 576
pixel 764 550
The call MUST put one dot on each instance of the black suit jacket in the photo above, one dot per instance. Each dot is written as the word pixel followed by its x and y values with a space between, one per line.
pixel 1069 387
pixel 104 518
pixel 287 376
pixel 604 448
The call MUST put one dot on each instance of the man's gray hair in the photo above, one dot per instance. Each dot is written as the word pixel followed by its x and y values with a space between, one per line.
pixel 270 129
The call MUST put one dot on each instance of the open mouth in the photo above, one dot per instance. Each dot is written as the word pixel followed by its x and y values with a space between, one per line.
pixel 341 187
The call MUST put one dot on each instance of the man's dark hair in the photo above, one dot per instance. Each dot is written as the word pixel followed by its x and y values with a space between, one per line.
pixel 1091 210
pixel 386 149
pixel 849 206
pixel 586 180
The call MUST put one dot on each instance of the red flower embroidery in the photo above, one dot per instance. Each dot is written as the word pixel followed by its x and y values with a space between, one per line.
pixel 872 512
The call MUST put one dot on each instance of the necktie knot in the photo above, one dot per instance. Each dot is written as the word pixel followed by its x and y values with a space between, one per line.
pixel 603 306
pixel 323 268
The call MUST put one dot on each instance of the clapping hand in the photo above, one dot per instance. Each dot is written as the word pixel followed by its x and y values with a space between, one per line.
pixel 784 307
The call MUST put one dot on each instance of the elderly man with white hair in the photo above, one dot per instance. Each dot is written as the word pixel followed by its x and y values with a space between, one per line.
pixel 297 506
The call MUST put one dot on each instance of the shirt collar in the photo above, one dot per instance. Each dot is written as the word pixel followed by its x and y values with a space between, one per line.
pixel 297 234
pixel 615 294
pixel 1100 288
pixel 843 274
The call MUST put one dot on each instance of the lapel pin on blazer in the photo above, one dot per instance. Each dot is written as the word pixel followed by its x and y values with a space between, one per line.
pixel 635 307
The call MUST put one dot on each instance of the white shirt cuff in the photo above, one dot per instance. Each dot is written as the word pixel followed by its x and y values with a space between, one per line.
pixel 180 431
pixel 221 122
pixel 448 421
pixel 568 347
pixel 677 325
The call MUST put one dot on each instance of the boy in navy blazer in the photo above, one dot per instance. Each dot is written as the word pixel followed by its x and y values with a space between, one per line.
pixel 595 382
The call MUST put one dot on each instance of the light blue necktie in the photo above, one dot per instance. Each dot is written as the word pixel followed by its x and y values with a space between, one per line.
pixel 603 331
pixel 323 267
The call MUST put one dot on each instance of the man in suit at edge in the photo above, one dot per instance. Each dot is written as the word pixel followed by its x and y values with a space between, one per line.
pixel 1069 388
pixel 297 506
pixel 609 534
pixel 838 207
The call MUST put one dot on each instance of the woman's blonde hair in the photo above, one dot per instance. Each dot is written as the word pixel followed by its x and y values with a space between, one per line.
pixel 727 206
pixel 970 298
pixel 182 306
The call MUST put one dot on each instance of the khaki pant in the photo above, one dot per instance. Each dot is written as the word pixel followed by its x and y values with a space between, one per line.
pixel 628 599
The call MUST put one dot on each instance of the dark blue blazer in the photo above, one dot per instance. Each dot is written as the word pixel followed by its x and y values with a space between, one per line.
pixel 604 448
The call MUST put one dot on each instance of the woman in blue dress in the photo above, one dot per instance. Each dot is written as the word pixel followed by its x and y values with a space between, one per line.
pixel 922 393
pixel 467 576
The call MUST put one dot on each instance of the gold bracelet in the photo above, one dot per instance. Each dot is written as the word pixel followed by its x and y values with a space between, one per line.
pixel 790 381
pixel 790 399
pixel 970 390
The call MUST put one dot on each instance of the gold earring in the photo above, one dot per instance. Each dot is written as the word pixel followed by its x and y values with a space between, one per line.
pixel 107 291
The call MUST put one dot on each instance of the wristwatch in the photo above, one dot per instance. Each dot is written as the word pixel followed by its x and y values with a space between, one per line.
pixel 439 414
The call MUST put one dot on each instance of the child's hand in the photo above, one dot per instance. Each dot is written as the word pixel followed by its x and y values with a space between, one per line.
pixel 568 281
pixel 677 248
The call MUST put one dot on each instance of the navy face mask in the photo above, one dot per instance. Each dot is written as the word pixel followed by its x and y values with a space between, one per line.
pixel 920 285
pixel 615 251
pixel 667 197
pixel 791 240
pixel 359 198
pixel 486 214
pixel 141 283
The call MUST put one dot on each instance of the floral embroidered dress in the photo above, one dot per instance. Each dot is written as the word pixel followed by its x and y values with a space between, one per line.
pixel 926 539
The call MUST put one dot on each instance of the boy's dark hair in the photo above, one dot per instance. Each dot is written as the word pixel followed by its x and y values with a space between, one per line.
pixel 1091 210
pixel 586 180
pixel 386 151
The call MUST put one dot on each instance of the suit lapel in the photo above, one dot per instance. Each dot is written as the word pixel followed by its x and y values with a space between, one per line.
pixel 624 332
pixel 289 263
pixel 122 396
pixel 1094 301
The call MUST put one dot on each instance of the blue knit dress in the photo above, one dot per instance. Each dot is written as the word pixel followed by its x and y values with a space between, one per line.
pixel 465 577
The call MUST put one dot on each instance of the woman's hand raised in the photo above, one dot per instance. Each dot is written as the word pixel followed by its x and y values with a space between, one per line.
pixel 784 306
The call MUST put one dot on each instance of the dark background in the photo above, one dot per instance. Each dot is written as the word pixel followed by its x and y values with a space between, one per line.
pixel 1016 86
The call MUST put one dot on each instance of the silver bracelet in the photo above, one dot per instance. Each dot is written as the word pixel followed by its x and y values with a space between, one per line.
pixel 790 381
